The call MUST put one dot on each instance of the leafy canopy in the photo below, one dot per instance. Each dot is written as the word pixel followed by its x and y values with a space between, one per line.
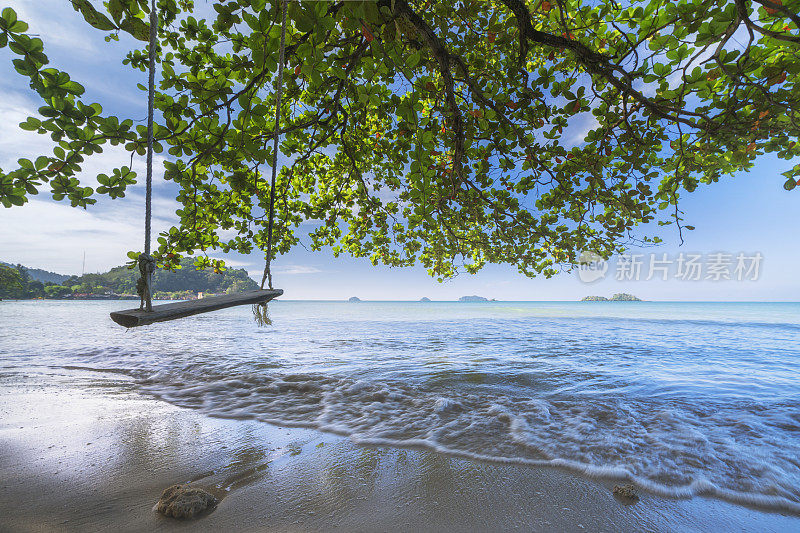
pixel 450 133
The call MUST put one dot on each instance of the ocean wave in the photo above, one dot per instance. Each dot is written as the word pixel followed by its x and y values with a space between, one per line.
pixel 741 453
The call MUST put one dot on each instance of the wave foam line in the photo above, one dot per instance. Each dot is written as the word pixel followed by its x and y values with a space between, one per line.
pixel 700 487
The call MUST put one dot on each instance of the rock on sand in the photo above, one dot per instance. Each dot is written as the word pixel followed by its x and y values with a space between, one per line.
pixel 183 501
pixel 626 493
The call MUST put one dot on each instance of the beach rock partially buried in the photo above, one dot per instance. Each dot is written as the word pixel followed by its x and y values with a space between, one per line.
pixel 625 493
pixel 183 501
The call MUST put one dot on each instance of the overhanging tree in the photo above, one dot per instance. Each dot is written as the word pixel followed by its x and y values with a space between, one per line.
pixel 450 133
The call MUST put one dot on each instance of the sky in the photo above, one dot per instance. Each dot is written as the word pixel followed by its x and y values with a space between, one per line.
pixel 749 213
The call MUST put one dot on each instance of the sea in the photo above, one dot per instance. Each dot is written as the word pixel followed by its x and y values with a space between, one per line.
pixel 681 399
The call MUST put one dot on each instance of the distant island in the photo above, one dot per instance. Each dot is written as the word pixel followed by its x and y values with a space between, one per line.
pixel 424 299
pixel 619 297
pixel 119 283
pixel 354 299
pixel 473 299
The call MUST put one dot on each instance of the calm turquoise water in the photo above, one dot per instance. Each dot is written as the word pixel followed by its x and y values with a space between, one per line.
pixel 681 398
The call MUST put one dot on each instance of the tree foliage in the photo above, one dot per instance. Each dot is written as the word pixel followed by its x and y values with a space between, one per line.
pixel 11 283
pixel 449 133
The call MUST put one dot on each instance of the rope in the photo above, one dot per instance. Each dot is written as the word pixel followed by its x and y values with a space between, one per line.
pixel 147 264
pixel 277 132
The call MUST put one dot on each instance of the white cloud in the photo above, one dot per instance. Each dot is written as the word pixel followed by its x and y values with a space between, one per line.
pixel 53 236
pixel 288 270
pixel 582 125
pixel 57 24
pixel 14 142
pixel 72 45
pixel 292 270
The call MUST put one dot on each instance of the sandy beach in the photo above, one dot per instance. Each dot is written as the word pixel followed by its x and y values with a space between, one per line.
pixel 80 451
pixel 399 266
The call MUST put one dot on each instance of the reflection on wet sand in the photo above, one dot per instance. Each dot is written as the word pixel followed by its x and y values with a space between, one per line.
pixel 75 458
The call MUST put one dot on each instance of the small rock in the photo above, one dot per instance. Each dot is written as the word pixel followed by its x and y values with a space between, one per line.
pixel 625 493
pixel 183 501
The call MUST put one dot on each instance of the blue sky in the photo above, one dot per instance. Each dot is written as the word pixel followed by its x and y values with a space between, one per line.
pixel 749 212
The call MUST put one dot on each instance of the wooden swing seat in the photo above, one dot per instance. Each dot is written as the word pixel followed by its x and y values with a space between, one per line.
pixel 132 318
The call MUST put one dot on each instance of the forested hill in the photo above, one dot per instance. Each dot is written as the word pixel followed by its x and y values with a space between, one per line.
pixel 122 280
pixel 185 282
pixel 38 274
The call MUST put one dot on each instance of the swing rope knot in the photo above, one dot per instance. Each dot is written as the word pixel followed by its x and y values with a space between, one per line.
pixel 147 265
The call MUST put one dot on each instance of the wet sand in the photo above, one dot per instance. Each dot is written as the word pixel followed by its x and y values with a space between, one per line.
pixel 83 451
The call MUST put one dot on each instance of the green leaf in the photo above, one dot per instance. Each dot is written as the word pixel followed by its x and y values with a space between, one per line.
pixel 74 88
pixel 92 16
pixel 115 10
pixel 31 124
pixel 136 27
pixel 17 200
pixel 9 17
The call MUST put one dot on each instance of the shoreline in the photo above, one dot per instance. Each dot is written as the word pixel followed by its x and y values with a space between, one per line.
pixel 81 451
